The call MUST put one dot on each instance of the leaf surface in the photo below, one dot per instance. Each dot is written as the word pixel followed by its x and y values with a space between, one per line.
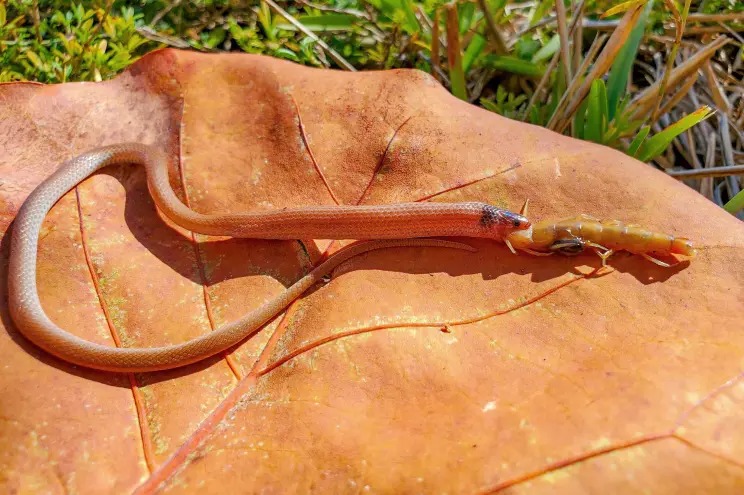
pixel 412 370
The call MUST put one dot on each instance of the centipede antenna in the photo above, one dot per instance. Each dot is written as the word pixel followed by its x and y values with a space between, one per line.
pixel 536 253
pixel 509 245
pixel 563 244
pixel 523 211
pixel 568 247
pixel 654 260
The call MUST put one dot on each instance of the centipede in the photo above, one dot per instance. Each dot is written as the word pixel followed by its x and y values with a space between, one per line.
pixel 575 235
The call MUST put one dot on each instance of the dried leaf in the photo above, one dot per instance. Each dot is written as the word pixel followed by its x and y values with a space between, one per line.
pixel 412 370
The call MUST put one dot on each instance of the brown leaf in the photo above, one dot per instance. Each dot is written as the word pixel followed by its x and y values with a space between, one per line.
pixel 543 379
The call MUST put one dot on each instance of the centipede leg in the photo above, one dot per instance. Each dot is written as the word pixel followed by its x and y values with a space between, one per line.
pixel 604 255
pixel 654 260
pixel 509 245
pixel 597 246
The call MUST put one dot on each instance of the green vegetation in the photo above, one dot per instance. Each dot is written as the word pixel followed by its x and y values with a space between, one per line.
pixel 66 42
pixel 657 79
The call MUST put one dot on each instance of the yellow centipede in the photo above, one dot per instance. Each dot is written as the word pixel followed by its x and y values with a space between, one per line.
pixel 573 235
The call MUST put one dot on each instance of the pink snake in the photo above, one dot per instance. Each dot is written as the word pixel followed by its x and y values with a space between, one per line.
pixel 393 225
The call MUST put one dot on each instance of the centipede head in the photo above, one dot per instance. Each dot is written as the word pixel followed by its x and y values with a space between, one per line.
pixel 683 246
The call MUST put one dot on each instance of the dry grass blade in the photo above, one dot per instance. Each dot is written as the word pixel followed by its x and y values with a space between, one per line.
pixel 498 41
pixel 602 25
pixel 552 65
pixel 151 34
pixel 424 20
pixel 646 99
pixel 578 78
pixel 707 172
pixel 169 6
pixel 691 154
pixel 541 85
pixel 560 10
pixel 728 153
pixel 679 95
pixel 706 185
pixel 719 28
pixel 679 27
pixel 435 47
pixel 578 37
pixel 336 10
pixel 716 91
pixel 562 117
pixel 454 54
pixel 331 52
pixel 734 16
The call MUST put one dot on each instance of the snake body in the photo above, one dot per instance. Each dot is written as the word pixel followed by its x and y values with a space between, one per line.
pixel 392 225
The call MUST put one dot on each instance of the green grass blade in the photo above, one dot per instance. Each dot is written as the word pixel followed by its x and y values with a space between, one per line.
pixel 540 11
pixel 473 51
pixel 596 114
pixel 457 80
pixel 454 56
pixel 216 36
pixel 325 22
pixel 489 105
pixel 603 107
pixel 286 53
pixel 735 204
pixel 656 145
pixel 465 13
pixel 620 8
pixel 580 119
pixel 558 80
pixel 635 145
pixel 412 23
pixel 400 12
pixel 496 6
pixel 535 117
pixel 511 64
pixel 618 79
pixel 547 50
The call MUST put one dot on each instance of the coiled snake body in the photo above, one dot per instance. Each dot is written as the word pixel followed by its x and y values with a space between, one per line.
pixel 402 224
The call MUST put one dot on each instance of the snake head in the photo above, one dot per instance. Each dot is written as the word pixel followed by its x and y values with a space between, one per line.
pixel 516 221
pixel 501 223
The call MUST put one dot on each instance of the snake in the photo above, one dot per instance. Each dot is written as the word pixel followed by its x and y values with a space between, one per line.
pixel 376 226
